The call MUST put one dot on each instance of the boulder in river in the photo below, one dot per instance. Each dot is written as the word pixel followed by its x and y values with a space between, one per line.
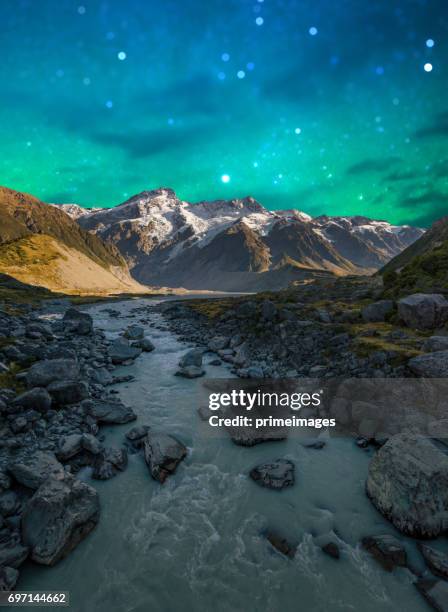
pixel 192 358
pixel 121 351
pixel 281 544
pixel 408 484
pixel 34 469
pixel 57 517
pixel 44 372
pixel 431 365
pixel 163 453
pixel 387 550
pixel 423 310
pixel 277 474
pixel 134 332
pixel 77 322
pixel 108 411
pixel 109 462
pixel 190 371
pixel 218 343
pixel 145 344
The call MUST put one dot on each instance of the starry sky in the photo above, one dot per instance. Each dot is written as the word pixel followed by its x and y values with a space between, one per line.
pixel 328 107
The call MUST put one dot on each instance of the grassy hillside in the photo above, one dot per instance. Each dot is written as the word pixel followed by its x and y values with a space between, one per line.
pixel 425 273
pixel 22 215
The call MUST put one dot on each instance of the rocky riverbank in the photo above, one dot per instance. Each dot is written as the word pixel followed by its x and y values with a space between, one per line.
pixel 59 386
pixel 56 378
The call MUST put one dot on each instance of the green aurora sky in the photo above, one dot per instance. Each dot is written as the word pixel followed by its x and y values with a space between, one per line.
pixel 318 105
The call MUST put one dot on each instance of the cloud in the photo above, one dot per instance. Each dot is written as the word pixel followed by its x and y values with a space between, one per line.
pixel 146 143
pixel 439 127
pixel 431 204
pixel 373 165
pixel 403 175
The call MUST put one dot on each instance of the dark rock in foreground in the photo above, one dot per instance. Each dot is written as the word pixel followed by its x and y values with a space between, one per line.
pixel 58 516
pixel 331 549
pixel 276 475
pixel 387 550
pixel 163 453
pixel 431 365
pixel 408 484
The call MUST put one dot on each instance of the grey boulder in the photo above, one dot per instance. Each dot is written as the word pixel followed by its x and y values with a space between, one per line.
pixel 387 550
pixel 144 344
pixel 57 517
pixel 120 351
pixel 37 398
pixel 377 312
pixel 218 343
pixel 134 332
pixel 431 365
pixel 190 371
pixel 44 372
pixel 163 453
pixel 65 392
pixel 77 322
pixel 408 484
pixel 436 561
pixel 106 411
pixel 276 475
pixel 32 470
pixel 423 310
pixel 191 358
pixel 109 462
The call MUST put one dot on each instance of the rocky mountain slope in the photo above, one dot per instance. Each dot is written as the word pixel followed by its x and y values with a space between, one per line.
pixel 238 245
pixel 423 266
pixel 41 245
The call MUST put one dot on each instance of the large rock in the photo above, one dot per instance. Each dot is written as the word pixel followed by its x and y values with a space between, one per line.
pixel 191 358
pixel 190 371
pixel 408 484
pixel 66 392
pixel 431 365
pixel 134 332
pixel 275 475
pixel 145 344
pixel 121 351
pixel 34 399
pixel 109 462
pixel 69 446
pixel 423 310
pixel 387 550
pixel 377 312
pixel 32 470
pixel 58 516
pixel 44 372
pixel 77 322
pixel 106 411
pixel 163 453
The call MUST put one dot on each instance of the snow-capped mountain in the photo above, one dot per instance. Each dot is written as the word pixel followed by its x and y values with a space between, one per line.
pixel 238 244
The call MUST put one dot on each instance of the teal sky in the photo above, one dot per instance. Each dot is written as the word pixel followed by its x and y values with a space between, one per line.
pixel 312 104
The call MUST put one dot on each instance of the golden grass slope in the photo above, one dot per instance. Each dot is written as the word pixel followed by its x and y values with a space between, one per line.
pixel 42 260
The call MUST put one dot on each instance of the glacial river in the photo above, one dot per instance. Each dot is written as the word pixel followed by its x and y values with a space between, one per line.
pixel 195 544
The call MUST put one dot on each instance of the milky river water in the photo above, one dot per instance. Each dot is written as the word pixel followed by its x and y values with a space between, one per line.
pixel 195 543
